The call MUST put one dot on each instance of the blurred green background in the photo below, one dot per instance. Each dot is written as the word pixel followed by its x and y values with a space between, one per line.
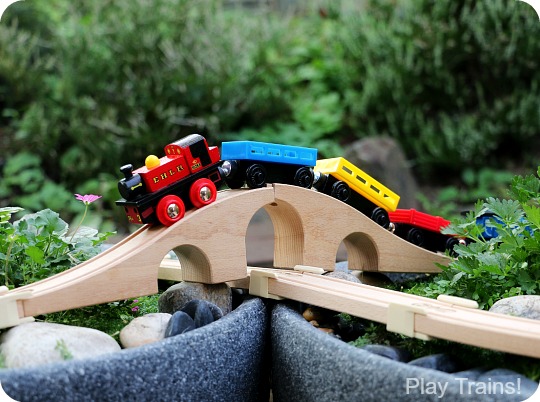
pixel 87 86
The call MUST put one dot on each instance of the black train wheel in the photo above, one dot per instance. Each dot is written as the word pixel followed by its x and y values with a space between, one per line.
pixel 341 191
pixel 304 177
pixel 415 236
pixel 450 243
pixel 256 176
pixel 380 216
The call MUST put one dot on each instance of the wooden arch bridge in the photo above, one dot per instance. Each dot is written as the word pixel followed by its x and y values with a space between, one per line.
pixel 308 229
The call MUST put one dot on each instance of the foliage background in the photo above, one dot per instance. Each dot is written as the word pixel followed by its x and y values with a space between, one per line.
pixel 86 87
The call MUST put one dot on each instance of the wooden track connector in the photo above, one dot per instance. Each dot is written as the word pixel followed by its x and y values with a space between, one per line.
pixel 307 268
pixel 258 283
pixel 9 309
pixel 400 319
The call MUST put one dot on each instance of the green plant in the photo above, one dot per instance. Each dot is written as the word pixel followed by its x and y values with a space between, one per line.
pixel 108 317
pixel 25 183
pixel 37 246
pixel 453 81
pixel 499 266
pixel 450 201
pixel 40 245
pixel 374 335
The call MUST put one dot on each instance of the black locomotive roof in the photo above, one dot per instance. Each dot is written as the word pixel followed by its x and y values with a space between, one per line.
pixel 189 140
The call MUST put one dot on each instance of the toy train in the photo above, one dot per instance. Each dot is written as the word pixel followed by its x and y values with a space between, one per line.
pixel 257 163
pixel 191 172
pixel 160 191
pixel 423 230
pixel 337 177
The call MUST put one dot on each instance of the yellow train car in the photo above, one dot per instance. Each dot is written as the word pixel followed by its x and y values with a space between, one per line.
pixel 337 177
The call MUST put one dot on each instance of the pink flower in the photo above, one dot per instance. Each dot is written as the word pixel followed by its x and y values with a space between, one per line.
pixel 135 308
pixel 87 198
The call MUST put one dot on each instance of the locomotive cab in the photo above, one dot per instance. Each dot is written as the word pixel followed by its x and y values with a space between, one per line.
pixel 195 150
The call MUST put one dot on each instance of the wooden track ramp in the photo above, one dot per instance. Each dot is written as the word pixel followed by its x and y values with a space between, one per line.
pixel 410 315
pixel 210 243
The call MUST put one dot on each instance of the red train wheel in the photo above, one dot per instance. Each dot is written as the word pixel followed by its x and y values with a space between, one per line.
pixel 170 209
pixel 202 192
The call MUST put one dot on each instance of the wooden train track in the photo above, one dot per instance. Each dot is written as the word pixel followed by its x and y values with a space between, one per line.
pixel 449 318
pixel 211 247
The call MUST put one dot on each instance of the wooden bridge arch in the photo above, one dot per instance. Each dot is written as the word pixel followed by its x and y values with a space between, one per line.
pixel 210 242
pixel 308 228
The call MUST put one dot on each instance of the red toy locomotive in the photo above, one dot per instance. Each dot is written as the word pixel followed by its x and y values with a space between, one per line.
pixel 162 190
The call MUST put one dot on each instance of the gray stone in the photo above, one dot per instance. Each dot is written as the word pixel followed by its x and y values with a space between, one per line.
pixel 178 295
pixel 343 275
pixel 365 277
pixel 38 343
pixel 341 266
pixel 146 329
pixel 389 352
pixel 203 312
pixel 440 361
pixel 179 324
pixel 224 361
pixel 372 278
pixel 383 159
pixel 312 366
pixel 520 306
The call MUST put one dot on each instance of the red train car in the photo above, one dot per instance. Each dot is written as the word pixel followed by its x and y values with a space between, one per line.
pixel 164 188
pixel 422 229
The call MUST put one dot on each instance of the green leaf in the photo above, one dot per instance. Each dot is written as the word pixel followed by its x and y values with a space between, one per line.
pixel 51 222
pixel 36 254
pixel 5 213
pixel 509 211
pixel 532 214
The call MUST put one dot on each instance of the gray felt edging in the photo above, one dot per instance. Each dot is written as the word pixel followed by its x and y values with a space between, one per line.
pixel 226 360
pixel 309 365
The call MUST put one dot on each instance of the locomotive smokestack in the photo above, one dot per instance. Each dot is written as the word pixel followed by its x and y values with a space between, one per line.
pixel 127 170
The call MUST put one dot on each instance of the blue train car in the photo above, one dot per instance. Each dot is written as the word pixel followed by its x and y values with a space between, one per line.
pixel 486 221
pixel 257 163
pixel 489 221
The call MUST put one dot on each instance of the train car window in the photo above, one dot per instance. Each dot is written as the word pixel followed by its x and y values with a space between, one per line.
pixel 290 154
pixel 375 188
pixel 257 150
pixel 273 151
pixel 361 179
pixel 346 169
